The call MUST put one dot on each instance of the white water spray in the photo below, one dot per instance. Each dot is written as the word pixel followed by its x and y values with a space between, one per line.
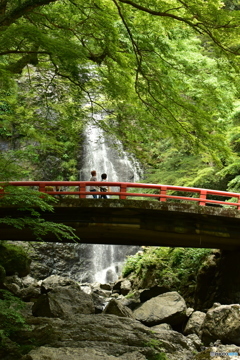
pixel 99 154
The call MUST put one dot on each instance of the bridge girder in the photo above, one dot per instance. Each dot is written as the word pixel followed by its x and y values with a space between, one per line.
pixel 137 222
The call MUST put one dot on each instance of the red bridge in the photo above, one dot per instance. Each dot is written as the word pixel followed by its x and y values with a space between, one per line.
pixel 139 214
pixel 126 190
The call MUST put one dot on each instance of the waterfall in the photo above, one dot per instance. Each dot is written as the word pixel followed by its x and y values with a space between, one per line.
pixel 106 155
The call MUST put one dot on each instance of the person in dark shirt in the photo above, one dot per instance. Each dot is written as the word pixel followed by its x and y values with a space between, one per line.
pixel 103 187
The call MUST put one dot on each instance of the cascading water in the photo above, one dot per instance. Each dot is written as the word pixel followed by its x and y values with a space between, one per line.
pixel 104 156
pixel 99 154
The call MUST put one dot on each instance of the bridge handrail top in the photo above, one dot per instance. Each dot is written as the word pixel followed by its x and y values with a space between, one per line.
pixel 119 184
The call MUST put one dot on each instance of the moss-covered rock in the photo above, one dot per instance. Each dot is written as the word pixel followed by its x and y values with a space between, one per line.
pixel 14 260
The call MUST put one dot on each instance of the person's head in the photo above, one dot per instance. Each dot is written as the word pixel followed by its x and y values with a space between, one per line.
pixel 104 176
pixel 93 173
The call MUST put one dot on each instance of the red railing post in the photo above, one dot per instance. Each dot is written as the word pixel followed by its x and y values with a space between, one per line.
pixel 123 188
pixel 82 187
pixel 203 195
pixel 238 206
pixel 163 191
pixel 42 188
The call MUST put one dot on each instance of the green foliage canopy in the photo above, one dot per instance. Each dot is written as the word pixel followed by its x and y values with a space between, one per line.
pixel 162 70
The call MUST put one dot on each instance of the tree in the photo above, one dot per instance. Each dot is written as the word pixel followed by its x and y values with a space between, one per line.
pixel 154 69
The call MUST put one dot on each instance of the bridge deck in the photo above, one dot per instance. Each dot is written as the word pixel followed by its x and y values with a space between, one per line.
pixel 137 222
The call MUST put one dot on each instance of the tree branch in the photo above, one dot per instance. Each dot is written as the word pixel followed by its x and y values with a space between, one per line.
pixel 3 5
pixel 157 13
pixel 22 10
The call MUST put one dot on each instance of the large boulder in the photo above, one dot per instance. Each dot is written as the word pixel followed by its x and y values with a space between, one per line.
pixel 121 337
pixel 166 308
pixel 222 322
pixel 63 302
pixel 54 281
pixel 194 323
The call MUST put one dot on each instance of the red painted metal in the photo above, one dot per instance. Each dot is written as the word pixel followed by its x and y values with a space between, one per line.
pixel 160 192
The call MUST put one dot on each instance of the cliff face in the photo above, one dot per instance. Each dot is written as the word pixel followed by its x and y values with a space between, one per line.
pixel 80 262
pixel 219 280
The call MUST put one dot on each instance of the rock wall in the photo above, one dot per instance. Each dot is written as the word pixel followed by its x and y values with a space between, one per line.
pixel 218 280
pixel 75 261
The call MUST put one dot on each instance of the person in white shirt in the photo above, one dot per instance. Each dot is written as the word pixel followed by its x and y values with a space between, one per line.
pixel 92 187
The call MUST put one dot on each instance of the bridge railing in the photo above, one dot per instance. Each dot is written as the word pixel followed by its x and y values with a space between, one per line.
pixel 126 190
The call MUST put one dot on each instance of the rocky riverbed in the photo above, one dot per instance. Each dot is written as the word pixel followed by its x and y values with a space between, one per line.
pixel 73 321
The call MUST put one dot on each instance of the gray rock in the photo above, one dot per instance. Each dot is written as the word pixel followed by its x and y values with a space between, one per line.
pixel 116 308
pixel 132 300
pixel 194 323
pixel 126 287
pixel 63 302
pixel 28 281
pixel 106 287
pixel 166 308
pixel 160 327
pixel 99 302
pixel 122 286
pixel 223 323
pixel 195 341
pixel 122 337
pixel 69 353
pixel 189 312
pixel 54 281
pixel 25 288
pixel 175 342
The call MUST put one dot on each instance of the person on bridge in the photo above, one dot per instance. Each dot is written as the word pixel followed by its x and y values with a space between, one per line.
pixel 104 188
pixel 94 188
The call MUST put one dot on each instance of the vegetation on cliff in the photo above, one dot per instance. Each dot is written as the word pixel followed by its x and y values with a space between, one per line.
pixel 171 268
pixel 13 260
pixel 12 321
